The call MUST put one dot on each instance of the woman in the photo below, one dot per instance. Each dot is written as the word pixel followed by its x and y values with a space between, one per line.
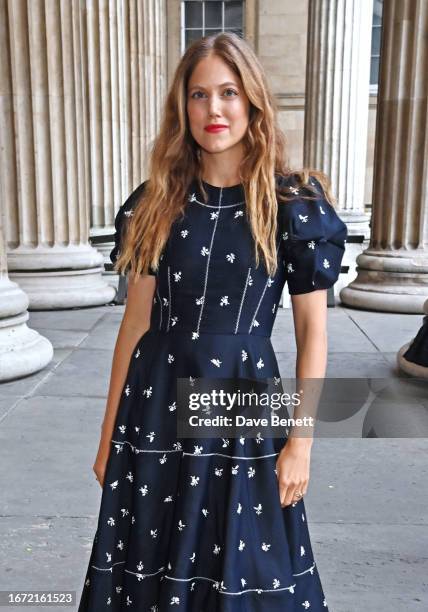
pixel 211 524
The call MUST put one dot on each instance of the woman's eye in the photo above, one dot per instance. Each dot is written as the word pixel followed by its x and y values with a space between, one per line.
pixel 194 94
pixel 226 90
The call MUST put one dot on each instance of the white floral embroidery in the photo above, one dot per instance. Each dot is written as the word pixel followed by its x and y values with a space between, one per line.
pixel 230 257
pixel 194 480
pixel 322 210
pixel 122 428
pixel 285 236
pixel 205 512
pixel 239 508
pixel 326 263
pixel 251 472
pixel 216 549
pixel 214 215
pixel 244 355
pixel 311 244
pixel 144 490
pixel 171 358
pixel 181 525
pixel 290 267
pixel 275 583
pixel 148 392
pixel 137 354
pixel 241 545
pixel 162 459
pixel 265 546
pixel 111 522
pixel 234 469
pixel 306 604
pixel 294 190
pixel 184 233
pixel 216 362
pixel 193 557
pixel 224 301
pixel 239 213
pixel 260 363
pixel 177 276
pixel 204 251
pixel 302 551
pixel 114 485
pixel 192 197
pixel 243 582
pixel 174 600
pixel 218 471
pixel 258 508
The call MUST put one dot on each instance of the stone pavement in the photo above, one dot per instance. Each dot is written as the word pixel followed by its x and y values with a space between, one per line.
pixel 366 502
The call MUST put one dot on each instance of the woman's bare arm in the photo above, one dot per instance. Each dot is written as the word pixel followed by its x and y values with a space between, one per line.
pixel 293 463
pixel 135 322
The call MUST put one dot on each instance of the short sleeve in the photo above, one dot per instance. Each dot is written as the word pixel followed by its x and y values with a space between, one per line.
pixel 121 222
pixel 313 238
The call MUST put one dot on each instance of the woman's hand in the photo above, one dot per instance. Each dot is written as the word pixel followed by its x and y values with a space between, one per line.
pixel 100 464
pixel 293 469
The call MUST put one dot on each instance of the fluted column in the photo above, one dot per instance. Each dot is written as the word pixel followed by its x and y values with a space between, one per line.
pixel 43 132
pixel 337 101
pixel 393 271
pixel 125 71
pixel 23 351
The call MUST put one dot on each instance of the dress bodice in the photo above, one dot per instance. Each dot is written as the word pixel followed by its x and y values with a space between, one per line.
pixel 207 280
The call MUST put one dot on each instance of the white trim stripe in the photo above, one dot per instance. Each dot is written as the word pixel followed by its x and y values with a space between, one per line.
pixel 140 576
pixel 231 592
pixel 230 456
pixel 174 450
pixel 216 205
pixel 160 307
pixel 242 301
pixel 208 263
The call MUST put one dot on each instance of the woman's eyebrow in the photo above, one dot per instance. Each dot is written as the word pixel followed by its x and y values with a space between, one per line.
pixel 221 85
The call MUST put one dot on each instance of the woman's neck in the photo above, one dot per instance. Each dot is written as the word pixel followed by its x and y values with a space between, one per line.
pixel 221 169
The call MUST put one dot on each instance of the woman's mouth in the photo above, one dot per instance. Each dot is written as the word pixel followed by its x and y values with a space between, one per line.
pixel 215 127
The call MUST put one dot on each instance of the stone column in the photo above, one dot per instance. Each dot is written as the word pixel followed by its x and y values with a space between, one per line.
pixel 393 271
pixel 22 350
pixel 337 101
pixel 43 145
pixel 125 72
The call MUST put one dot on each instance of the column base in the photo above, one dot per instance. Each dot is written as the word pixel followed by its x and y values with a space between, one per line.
pixel 389 282
pixel 23 351
pixel 65 288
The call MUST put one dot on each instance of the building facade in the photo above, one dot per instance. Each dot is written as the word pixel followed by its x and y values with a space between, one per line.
pixel 81 90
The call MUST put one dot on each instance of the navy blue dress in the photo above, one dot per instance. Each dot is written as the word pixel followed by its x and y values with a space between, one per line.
pixel 197 525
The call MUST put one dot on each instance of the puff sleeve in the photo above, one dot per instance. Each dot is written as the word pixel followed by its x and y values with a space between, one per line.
pixel 313 238
pixel 121 221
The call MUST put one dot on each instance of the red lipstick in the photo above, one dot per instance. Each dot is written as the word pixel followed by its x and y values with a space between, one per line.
pixel 215 127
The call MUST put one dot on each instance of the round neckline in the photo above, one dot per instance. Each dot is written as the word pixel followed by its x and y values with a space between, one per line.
pixel 218 197
pixel 209 185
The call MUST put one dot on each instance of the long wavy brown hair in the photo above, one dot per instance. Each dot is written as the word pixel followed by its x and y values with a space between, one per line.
pixel 174 162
